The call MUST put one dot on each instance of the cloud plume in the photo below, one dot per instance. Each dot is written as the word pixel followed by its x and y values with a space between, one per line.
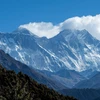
pixel 42 29
pixel 90 23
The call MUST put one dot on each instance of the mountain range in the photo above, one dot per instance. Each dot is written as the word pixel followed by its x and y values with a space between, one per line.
pixel 70 49
pixel 68 58
pixel 46 78
pixel 66 61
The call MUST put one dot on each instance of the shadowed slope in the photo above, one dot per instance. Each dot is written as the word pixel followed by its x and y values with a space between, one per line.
pixel 21 87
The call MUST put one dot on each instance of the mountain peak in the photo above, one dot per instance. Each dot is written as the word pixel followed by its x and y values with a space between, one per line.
pixel 24 31
pixel 80 35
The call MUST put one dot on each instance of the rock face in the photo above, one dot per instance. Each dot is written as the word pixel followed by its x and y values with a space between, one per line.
pixel 21 87
pixel 70 49
pixel 11 64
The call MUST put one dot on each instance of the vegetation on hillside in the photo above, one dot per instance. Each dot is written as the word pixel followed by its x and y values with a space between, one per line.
pixel 21 87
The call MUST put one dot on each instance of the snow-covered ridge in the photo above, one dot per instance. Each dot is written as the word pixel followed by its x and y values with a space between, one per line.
pixel 70 49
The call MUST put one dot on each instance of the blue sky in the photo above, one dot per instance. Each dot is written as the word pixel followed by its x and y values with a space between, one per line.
pixel 13 13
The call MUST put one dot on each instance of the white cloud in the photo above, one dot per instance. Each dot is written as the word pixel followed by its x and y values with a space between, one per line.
pixel 42 29
pixel 90 23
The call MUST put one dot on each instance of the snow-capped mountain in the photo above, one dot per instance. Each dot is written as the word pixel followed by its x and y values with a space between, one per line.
pixel 70 49
pixel 23 46
pixel 78 50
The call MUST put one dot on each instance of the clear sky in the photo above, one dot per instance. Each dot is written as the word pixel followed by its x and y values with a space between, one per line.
pixel 13 13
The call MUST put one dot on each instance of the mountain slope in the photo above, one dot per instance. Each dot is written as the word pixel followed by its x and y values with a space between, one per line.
pixel 23 46
pixel 77 49
pixel 93 82
pixel 98 98
pixel 82 94
pixel 68 78
pixel 88 73
pixel 21 87
pixel 9 63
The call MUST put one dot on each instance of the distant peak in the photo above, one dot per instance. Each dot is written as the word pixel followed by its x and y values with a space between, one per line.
pixel 67 32
pixel 24 31
pixel 79 35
